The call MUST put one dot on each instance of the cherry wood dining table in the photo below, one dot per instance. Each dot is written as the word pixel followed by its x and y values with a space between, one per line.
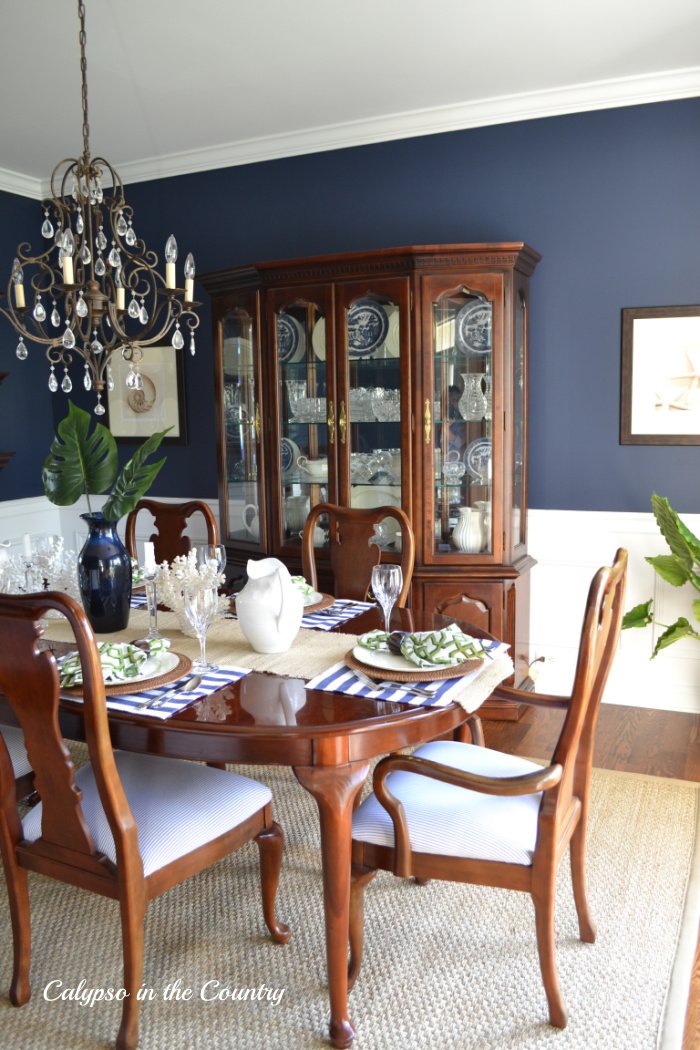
pixel 329 745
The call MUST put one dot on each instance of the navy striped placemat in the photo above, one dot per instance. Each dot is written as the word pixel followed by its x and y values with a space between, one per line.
pixel 211 681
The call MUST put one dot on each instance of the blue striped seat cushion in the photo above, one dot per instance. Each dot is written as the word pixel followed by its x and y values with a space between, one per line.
pixel 456 822
pixel 14 738
pixel 177 806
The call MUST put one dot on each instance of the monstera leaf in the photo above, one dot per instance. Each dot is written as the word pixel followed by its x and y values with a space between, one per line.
pixel 82 461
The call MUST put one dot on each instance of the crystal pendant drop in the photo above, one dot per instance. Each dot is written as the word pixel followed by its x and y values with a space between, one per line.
pixel 177 341
pixel 96 346
pixel 110 380
pixel 121 226
pixel 131 379
pixel 87 381
pixel 85 254
pixel 79 224
pixel 99 407
pixel 101 240
pixel 66 384
pixel 39 312
pixel 47 227
pixel 114 258
pixel 68 339
pixel 143 313
pixel 55 317
pixel 61 256
pixel 100 268
pixel 133 310
pixel 138 380
pixel 130 236
pixel 192 344
pixel 58 236
pixel 81 306
pixel 21 351
pixel 53 382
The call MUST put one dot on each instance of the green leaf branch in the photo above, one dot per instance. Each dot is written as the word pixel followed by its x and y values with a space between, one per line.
pixel 680 567
pixel 82 461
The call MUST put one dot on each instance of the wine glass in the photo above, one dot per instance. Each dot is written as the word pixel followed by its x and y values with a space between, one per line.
pixel 207 552
pixel 387 581
pixel 201 605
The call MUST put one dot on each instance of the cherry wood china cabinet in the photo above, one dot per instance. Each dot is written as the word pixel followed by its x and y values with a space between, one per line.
pixel 394 377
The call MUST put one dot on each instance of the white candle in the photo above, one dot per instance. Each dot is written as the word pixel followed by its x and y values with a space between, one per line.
pixel 170 275
pixel 149 557
pixel 67 269
pixel 27 541
pixel 19 295
pixel 120 299
pixel 189 290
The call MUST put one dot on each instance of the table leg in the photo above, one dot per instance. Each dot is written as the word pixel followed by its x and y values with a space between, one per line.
pixel 335 788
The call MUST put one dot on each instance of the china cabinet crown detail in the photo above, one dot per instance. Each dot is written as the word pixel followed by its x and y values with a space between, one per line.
pixel 392 377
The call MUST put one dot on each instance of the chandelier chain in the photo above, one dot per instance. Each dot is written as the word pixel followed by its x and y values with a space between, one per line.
pixel 83 73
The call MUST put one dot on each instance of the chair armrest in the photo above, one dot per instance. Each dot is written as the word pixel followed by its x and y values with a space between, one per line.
pixel 525 784
pixel 522 696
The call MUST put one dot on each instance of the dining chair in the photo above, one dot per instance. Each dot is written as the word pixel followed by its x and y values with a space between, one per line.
pixel 124 825
pixel 170 521
pixel 352 556
pixel 463 813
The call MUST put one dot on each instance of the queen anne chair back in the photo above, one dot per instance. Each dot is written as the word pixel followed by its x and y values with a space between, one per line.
pixel 127 826
pixel 171 519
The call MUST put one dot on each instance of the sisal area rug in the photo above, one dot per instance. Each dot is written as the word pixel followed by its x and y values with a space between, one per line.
pixel 446 966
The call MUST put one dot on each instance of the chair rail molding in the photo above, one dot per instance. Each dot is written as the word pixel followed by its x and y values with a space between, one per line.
pixel 569 546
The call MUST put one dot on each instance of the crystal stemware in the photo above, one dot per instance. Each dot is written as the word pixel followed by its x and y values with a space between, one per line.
pixel 211 552
pixel 201 604
pixel 387 581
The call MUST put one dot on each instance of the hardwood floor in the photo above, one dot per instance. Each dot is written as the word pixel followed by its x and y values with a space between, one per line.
pixel 632 739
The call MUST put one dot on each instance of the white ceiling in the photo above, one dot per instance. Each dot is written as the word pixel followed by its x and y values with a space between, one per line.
pixel 183 85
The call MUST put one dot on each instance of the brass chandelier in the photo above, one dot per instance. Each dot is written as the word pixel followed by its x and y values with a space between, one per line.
pixel 95 288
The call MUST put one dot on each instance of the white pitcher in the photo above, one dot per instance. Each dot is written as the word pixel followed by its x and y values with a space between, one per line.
pixel 468 535
pixel 270 607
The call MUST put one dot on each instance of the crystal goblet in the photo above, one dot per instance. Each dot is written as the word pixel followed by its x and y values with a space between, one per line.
pixel 387 581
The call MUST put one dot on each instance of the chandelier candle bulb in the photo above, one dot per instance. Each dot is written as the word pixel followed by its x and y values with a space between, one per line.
pixel 170 260
pixel 18 281
pixel 189 278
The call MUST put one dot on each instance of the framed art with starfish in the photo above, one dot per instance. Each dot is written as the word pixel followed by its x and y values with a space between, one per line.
pixel 660 379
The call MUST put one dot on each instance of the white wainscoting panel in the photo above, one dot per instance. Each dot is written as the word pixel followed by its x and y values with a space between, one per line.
pixel 569 547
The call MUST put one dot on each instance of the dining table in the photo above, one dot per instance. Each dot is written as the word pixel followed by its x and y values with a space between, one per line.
pixel 267 715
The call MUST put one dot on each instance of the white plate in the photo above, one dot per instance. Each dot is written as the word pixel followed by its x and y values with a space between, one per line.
pixel 312 599
pixel 384 661
pixel 391 343
pixel 318 339
pixel 153 667
pixel 375 496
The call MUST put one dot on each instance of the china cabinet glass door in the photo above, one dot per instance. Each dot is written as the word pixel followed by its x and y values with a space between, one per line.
pixel 462 388
pixel 306 423
pixel 373 397
pixel 242 426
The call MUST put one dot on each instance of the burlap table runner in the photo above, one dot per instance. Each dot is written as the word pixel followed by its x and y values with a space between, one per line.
pixel 311 651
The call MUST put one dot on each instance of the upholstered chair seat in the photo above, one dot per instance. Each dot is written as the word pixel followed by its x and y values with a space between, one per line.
pixel 454 821
pixel 14 738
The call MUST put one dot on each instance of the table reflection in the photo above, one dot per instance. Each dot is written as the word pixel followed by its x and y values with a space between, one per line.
pixel 277 706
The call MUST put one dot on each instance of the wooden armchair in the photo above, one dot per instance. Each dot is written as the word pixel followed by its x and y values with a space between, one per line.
pixel 170 521
pixel 469 814
pixel 127 826
pixel 352 558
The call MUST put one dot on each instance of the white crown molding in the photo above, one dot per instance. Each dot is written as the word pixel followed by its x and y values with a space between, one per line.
pixel 21 185
pixel 502 109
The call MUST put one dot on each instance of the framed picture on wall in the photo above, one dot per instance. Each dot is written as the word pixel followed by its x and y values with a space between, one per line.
pixel 135 414
pixel 660 391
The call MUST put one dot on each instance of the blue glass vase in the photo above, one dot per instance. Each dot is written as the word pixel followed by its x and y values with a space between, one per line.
pixel 104 576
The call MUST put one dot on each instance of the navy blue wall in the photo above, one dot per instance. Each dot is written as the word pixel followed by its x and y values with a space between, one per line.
pixel 610 200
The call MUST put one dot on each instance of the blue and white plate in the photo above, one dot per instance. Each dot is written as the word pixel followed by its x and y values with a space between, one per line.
pixel 477 459
pixel 289 453
pixel 473 328
pixel 368 326
pixel 290 338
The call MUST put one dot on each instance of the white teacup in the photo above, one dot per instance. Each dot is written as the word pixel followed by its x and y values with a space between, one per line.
pixel 319 536
pixel 251 520
pixel 315 468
